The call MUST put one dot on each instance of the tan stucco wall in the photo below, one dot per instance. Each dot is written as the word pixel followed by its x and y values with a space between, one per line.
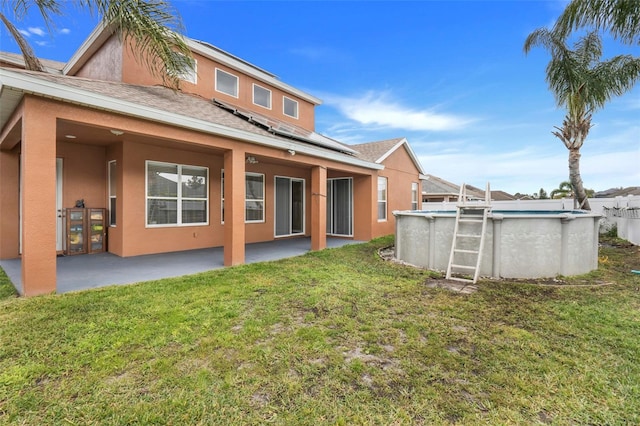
pixel 84 174
pixel 106 63
pixel 9 203
pixel 400 172
pixel 136 73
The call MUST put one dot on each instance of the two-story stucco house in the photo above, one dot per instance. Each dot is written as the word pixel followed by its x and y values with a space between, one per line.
pixel 229 159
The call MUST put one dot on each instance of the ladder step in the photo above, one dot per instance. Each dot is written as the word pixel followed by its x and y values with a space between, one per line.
pixel 466 251
pixel 463 267
pixel 468 236
pixel 470 220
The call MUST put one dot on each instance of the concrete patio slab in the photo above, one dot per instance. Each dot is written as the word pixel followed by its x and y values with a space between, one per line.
pixel 84 272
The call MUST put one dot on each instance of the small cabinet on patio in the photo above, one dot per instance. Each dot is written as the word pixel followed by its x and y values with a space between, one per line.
pixel 85 230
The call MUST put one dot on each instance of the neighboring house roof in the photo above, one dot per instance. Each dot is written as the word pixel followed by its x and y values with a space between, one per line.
pixel 501 196
pixel 433 185
pixel 154 103
pixel 378 151
pixel 437 187
pixel 618 192
pixel 18 60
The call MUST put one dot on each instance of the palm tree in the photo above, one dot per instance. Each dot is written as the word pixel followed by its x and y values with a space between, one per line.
pixel 150 28
pixel 620 17
pixel 563 190
pixel 582 84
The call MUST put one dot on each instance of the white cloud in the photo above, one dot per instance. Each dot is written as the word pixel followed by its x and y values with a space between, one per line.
pixel 25 33
pixel 378 109
pixel 37 31
pixel 65 31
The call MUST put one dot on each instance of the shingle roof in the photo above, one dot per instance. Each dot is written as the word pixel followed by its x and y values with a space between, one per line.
pixel 165 99
pixel 501 196
pixel 18 59
pixel 435 185
pixel 373 151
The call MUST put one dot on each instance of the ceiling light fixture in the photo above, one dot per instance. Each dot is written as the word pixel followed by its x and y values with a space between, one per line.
pixel 292 152
pixel 117 132
pixel 252 160
pixel 70 136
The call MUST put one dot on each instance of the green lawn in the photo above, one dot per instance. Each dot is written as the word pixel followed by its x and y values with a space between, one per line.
pixel 337 337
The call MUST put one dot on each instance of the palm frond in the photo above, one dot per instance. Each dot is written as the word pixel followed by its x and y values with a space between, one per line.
pixel 31 61
pixel 151 30
pixel 47 9
pixel 620 17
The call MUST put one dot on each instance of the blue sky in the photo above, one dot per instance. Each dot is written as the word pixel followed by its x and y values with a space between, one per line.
pixel 449 76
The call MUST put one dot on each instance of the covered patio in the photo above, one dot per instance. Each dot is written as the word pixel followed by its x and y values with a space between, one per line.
pixel 83 272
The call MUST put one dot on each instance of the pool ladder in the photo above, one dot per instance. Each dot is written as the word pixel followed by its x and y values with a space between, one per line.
pixel 468 236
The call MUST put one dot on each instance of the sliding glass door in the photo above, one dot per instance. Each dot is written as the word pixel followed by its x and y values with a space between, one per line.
pixel 289 206
pixel 340 207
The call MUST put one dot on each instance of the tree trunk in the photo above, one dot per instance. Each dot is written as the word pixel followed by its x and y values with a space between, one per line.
pixel 576 179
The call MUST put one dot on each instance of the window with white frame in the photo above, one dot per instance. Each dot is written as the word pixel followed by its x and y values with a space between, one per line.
pixel 414 196
pixel 290 107
pixel 254 197
pixel 382 198
pixel 226 83
pixel 261 96
pixel 112 192
pixel 177 194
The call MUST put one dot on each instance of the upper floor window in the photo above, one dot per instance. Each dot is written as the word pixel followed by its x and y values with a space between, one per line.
pixel 290 107
pixel 261 96
pixel 226 83
pixel 177 194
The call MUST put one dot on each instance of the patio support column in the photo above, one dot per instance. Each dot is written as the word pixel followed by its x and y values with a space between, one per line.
pixel 365 211
pixel 9 205
pixel 38 168
pixel 234 201
pixel 318 208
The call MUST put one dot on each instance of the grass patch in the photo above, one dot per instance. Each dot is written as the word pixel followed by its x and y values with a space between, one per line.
pixel 334 337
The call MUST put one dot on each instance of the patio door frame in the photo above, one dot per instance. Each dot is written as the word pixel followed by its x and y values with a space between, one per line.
pixel 337 209
pixel 59 213
pixel 289 208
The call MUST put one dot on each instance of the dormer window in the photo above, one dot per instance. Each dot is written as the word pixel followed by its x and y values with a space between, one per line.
pixel 261 96
pixel 226 83
pixel 290 107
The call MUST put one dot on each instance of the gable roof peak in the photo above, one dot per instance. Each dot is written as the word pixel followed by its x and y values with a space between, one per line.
pixel 379 151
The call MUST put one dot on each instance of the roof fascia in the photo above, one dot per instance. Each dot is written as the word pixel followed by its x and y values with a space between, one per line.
pixel 245 67
pixel 33 85
pixel 412 154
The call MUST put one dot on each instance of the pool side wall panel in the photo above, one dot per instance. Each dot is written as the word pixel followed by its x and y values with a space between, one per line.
pixel 524 246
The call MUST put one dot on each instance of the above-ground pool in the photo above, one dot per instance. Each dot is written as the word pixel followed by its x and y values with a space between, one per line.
pixel 518 244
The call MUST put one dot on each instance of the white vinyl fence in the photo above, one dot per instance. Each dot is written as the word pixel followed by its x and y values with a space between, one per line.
pixel 621 212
